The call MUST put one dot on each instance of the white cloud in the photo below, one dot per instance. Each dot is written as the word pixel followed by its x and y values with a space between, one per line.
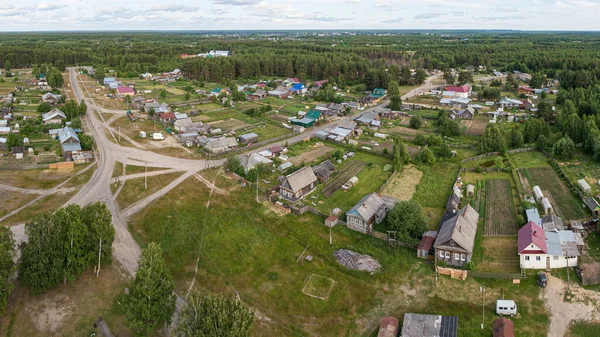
pixel 236 2
pixel 44 6
pixel 352 1
pixel 384 4
pixel 427 16
pixel 561 4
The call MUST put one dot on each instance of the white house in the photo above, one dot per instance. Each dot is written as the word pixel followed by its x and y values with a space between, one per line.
pixel 547 250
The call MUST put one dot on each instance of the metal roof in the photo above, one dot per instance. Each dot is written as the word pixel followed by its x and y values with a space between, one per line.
pixel 461 229
pixel 420 325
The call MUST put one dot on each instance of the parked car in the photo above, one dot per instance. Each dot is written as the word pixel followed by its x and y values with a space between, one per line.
pixel 506 307
pixel 542 280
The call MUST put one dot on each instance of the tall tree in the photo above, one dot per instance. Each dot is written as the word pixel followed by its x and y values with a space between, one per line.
pixel 395 103
pixel 408 219
pixel 41 263
pixel 72 239
pixel 151 301
pixel 7 265
pixel 209 315
pixel 7 66
pixel 101 233
pixel 401 155
pixel 564 148
pixel 493 139
pixel 393 89
pixel 82 108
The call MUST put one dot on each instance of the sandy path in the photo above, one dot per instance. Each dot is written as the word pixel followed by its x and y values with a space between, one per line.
pixel 581 308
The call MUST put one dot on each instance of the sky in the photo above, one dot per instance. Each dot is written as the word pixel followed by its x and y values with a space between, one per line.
pixel 25 15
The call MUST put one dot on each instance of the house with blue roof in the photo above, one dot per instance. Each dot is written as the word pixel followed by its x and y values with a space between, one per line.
pixel 298 89
pixel 69 142
pixel 108 80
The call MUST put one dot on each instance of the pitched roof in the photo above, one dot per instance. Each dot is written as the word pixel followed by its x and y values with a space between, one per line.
pixel 504 327
pixel 369 205
pixel 250 161
pixel 419 325
pixel 462 88
pixel 66 133
pixel 552 223
pixel 52 114
pixel 532 233
pixel 125 90
pixel 461 229
pixel 299 179
pixel 314 114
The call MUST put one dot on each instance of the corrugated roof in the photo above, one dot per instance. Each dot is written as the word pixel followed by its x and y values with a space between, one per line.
pixel 531 233
pixel 419 325
pixel 553 244
pixel 533 215
pixel 367 206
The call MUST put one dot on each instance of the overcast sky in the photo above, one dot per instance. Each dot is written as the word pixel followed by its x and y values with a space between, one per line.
pixel 24 15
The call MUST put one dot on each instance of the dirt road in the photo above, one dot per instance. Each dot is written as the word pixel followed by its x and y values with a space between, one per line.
pixel 582 307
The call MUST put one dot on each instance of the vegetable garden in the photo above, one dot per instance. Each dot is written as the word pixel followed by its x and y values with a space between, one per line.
pixel 566 205
pixel 499 209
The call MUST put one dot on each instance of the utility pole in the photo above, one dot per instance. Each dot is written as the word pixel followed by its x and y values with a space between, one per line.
pixel 119 134
pixel 330 239
pixel 146 178
pixel 482 290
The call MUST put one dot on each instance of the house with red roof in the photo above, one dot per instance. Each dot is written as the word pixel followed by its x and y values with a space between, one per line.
pixel 525 90
pixel 463 91
pixel 548 249
pixel 167 117
pixel 125 91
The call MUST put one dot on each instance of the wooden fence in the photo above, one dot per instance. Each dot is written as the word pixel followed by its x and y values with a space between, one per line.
pixel 453 273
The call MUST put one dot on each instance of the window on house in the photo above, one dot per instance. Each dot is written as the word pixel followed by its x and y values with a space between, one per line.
pixel 462 257
pixel 447 255
pixel 441 254
pixel 538 258
pixel 526 258
pixel 456 256
pixel 555 258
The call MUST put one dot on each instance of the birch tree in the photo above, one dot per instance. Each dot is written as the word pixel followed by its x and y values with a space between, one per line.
pixel 7 265
pixel 101 234
pixel 151 300
pixel 72 240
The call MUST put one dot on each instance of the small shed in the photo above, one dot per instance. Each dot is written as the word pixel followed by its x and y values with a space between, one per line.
pixel 284 166
pixel 537 193
pixel 504 327
pixel 142 134
pixel 547 206
pixel 585 187
pixel 331 221
pixel 470 190
pixel 426 244
pixel 322 135
pixel 248 138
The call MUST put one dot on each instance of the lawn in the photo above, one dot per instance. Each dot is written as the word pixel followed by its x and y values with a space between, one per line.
pixel 246 248
pixel 436 185
pixel 370 180
pixel 529 159
pixel 268 131
pixel 134 190
pixel 583 329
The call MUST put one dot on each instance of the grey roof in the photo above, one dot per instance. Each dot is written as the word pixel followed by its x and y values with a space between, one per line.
pixel 591 203
pixel 251 135
pixel 552 223
pixel 66 133
pixel 553 244
pixel 260 92
pixel 419 325
pixel 221 143
pixel 369 205
pixel 461 229
pixel 324 169
pixel 347 125
pixel 250 161
pixel 181 123
pixel 71 147
pixel 52 114
pixel 299 179
pixel 533 215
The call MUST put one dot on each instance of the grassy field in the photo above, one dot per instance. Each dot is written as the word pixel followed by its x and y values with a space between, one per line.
pixel 499 255
pixel 404 184
pixel 584 329
pixel 583 167
pixel 247 248
pixel 370 180
pixel 529 159
pixel 268 131
pixel 133 190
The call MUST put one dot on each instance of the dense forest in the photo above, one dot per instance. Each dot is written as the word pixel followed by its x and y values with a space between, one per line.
pixel 574 58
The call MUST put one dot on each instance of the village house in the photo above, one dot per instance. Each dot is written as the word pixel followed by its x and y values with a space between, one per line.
pixel 376 96
pixel 525 90
pixel 182 124
pixel 509 103
pixel 367 118
pixel 125 91
pixel 467 113
pixel 158 108
pixel 309 119
pixel 297 185
pixel 298 89
pixel 463 91
pixel 319 84
pixel 250 161
pixel 218 145
pixel 167 117
pixel 280 92
pixel 257 95
pixel 248 138
pixel 324 170
pixel 69 142
pixel 371 209
pixel 50 98
pixel 457 102
pixel 540 249
pixel 456 238
pixel 54 116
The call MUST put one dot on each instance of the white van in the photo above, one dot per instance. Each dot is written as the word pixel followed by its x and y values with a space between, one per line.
pixel 506 307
